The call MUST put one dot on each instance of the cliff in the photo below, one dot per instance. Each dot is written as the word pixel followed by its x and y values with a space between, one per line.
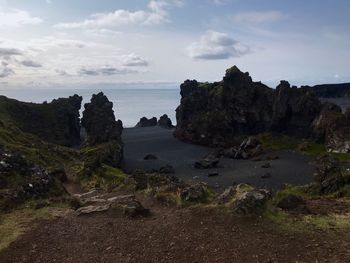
pixel 56 122
pixel 218 113
pixel 331 90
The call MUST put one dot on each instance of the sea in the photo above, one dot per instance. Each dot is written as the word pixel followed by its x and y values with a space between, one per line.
pixel 129 104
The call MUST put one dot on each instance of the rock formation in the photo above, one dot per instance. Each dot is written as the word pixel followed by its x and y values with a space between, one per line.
pixel 103 130
pixel 165 122
pixel 333 127
pixel 144 122
pixel 56 122
pixel 99 121
pixel 331 90
pixel 218 113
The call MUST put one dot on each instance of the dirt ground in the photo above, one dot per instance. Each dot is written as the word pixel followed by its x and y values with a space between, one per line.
pixel 173 235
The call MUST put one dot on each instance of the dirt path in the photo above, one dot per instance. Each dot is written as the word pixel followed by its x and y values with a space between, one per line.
pixel 172 235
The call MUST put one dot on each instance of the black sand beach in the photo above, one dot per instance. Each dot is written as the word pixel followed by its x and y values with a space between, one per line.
pixel 291 167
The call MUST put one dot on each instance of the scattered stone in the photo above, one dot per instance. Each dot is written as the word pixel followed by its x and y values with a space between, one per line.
pixel 227 195
pixel 207 163
pixel 92 209
pixel 266 176
pixel 266 165
pixel 135 208
pixel 194 193
pixel 291 202
pixel 167 169
pixel 272 157
pixel 213 174
pixel 150 157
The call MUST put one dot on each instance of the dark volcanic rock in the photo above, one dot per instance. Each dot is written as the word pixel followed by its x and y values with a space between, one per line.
pixel 216 113
pixel 144 122
pixel 22 180
pixel 56 122
pixel 331 90
pixel 207 163
pixel 99 121
pixel 291 202
pixel 333 127
pixel 294 110
pixel 103 133
pixel 328 176
pixel 150 157
pixel 165 122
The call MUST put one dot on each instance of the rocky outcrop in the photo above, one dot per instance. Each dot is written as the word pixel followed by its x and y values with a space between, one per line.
pixel 21 180
pixel 244 199
pixel 103 133
pixel 144 122
pixel 333 127
pixel 165 122
pixel 99 121
pixel 56 122
pixel 331 90
pixel 329 175
pixel 216 113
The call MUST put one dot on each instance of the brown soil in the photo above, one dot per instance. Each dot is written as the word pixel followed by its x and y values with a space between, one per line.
pixel 173 235
pixel 328 206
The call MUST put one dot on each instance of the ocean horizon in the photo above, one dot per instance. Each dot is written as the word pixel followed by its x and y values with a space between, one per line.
pixel 129 104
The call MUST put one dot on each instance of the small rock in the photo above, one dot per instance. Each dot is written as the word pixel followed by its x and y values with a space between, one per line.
pixel 150 157
pixel 265 176
pixel 266 165
pixel 207 163
pixel 213 174
pixel 92 209
pixel 167 169
pixel 272 157
pixel 291 202
pixel 135 208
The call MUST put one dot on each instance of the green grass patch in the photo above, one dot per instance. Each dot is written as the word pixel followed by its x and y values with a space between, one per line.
pixel 105 177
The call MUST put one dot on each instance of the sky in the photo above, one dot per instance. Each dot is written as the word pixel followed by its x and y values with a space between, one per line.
pixel 92 43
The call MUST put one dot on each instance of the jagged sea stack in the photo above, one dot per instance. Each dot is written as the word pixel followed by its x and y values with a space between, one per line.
pixel 103 130
pixel 218 113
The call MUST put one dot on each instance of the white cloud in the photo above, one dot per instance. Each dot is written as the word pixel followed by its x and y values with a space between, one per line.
pixel 257 17
pixel 16 18
pixel 6 72
pixel 31 64
pixel 133 60
pixel 105 71
pixel 157 14
pixel 215 45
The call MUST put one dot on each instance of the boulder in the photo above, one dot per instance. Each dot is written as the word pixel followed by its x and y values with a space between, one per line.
pixel 207 163
pixel 291 202
pixel 250 201
pixel 194 193
pixel 244 199
pixel 150 157
pixel 167 169
pixel 165 122
pixel 144 122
